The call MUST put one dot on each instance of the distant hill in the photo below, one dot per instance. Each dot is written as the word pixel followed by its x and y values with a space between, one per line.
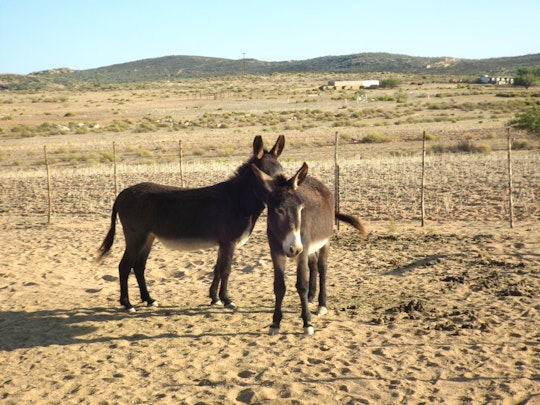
pixel 177 67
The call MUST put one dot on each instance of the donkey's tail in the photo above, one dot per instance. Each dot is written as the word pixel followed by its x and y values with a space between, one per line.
pixel 109 239
pixel 355 222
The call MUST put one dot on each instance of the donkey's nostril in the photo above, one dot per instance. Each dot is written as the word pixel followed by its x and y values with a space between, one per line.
pixel 295 251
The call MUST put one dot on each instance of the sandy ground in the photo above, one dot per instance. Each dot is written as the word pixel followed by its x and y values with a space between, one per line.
pixel 445 315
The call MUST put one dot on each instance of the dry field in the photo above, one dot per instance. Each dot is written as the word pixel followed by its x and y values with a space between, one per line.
pixel 444 314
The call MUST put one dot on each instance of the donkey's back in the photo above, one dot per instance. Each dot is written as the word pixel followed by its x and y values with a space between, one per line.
pixel 183 219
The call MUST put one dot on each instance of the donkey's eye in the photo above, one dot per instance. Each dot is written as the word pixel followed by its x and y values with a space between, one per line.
pixel 280 212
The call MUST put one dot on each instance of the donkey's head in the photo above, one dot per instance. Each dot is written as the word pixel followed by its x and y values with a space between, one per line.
pixel 284 208
pixel 267 160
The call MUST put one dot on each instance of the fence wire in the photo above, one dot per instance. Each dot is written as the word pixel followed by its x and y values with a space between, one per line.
pixel 464 187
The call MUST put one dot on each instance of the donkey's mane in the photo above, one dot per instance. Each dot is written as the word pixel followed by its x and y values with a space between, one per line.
pixel 280 180
pixel 243 168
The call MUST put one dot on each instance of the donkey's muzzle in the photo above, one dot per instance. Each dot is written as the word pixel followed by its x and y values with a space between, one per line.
pixel 294 251
pixel 292 245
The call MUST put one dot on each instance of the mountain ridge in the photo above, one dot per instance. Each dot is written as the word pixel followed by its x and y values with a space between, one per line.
pixel 174 67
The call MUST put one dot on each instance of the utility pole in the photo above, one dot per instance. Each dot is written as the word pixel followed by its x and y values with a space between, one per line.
pixel 243 63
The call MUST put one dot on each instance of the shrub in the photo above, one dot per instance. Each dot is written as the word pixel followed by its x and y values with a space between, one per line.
pixel 419 137
pixel 82 129
pixel 107 157
pixel 390 83
pixel 119 126
pixel 465 146
pixel 375 137
pixel 528 121
pixel 143 152
pixel 145 127
pixel 522 145
pixel 226 151
pixel 24 131
pixel 401 96
pixel 398 153
pixel 436 149
pixel 483 148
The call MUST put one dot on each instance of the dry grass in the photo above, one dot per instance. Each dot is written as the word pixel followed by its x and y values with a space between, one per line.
pixel 220 109
pixel 380 143
pixel 445 314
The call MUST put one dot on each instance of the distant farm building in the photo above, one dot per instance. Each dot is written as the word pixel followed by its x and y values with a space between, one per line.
pixel 352 84
pixel 499 81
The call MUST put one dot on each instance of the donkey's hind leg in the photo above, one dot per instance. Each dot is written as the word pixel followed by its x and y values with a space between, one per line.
pixel 302 287
pixel 322 265
pixel 124 268
pixel 139 267
pixel 313 271
pixel 135 256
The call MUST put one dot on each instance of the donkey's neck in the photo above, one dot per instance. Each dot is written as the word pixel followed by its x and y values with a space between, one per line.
pixel 242 187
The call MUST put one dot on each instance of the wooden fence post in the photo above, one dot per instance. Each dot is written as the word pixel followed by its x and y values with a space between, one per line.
pixel 510 185
pixel 422 201
pixel 114 170
pixel 336 177
pixel 49 200
pixel 180 155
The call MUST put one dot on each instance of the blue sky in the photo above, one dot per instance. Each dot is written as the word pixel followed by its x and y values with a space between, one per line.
pixel 44 34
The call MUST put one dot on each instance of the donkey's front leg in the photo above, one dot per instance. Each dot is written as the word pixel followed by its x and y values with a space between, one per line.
pixel 279 292
pixel 222 272
pixel 302 285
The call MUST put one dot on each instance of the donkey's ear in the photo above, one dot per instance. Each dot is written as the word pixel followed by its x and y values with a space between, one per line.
pixel 299 177
pixel 278 147
pixel 258 147
pixel 263 178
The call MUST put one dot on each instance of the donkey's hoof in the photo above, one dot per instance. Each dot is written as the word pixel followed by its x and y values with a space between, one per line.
pixel 273 331
pixel 153 304
pixel 230 305
pixel 216 302
pixel 309 330
pixel 322 311
pixel 131 310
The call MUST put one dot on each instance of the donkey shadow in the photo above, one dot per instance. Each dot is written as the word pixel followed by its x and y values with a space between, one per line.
pixel 21 329
pixel 427 261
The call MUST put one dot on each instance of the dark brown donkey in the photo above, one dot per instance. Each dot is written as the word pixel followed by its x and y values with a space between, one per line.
pixel 188 219
pixel 300 224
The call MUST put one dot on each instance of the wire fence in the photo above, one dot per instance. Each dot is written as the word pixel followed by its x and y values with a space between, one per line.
pixel 466 187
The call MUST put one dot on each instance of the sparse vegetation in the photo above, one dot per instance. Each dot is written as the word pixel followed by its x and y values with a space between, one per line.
pixel 464 146
pixel 375 137
pixel 528 120
pixel 527 76
pixel 119 125
pixel 175 111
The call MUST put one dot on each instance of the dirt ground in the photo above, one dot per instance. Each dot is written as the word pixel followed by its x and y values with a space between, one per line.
pixel 442 314
pixel 448 315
